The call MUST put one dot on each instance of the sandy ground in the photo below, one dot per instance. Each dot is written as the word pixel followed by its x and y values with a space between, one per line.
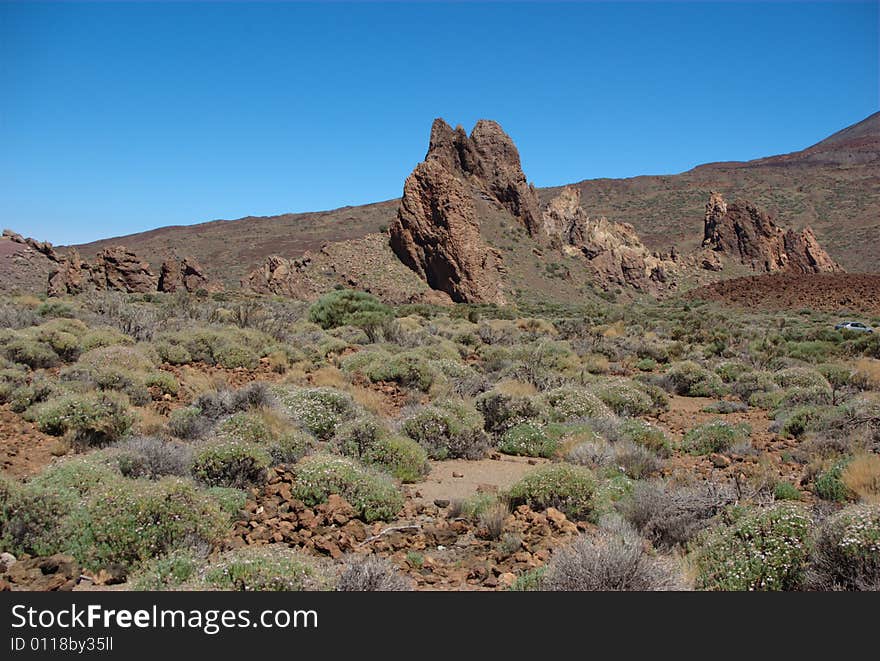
pixel 480 476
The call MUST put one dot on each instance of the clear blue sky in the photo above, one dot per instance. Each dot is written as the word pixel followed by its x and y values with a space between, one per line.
pixel 116 118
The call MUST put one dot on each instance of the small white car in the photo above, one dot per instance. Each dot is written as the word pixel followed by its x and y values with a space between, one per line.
pixel 856 326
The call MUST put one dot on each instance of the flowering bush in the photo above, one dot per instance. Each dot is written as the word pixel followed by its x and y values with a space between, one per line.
pixel 90 419
pixel 448 429
pixel 690 379
pixel 231 464
pixel 764 549
pixel 372 494
pixel 126 524
pixel 570 403
pixel 846 553
pixel 563 486
pixel 319 410
pixel 532 440
pixel 273 568
pixel 716 436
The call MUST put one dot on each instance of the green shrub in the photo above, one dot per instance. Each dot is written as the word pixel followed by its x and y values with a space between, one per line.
pixel 501 411
pixel 188 423
pixel 625 398
pixel 692 380
pixel 715 436
pixel 407 369
pixel 231 464
pixel 801 377
pixel 319 410
pixel 786 491
pixel 90 419
pixel 567 488
pixel 29 518
pixel 646 435
pixel 797 422
pixel 34 354
pixel 232 356
pixel 103 337
pixel 765 549
pixel 345 307
pixel 571 403
pixel 165 382
pixel 367 440
pixel 449 429
pixel 130 521
pixel 274 568
pixel 168 572
pixel 846 553
pixel 74 478
pixel 173 354
pixel 532 440
pixel 829 483
pixel 373 495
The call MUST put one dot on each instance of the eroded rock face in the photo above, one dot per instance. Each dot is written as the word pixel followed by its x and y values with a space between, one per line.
pixel 437 232
pixel 613 250
pixel 746 233
pixel 120 269
pixel 437 235
pixel 185 275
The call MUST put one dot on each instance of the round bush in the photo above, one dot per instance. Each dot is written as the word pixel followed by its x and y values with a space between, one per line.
pixel 716 436
pixel 130 521
pixel 373 495
pixel 846 553
pixel 367 440
pixel 231 464
pixel 571 403
pixel 501 411
pixel 346 307
pixel 765 549
pixel 690 379
pixel 90 419
pixel 532 440
pixel 448 430
pixel 625 398
pixel 273 568
pixel 319 410
pixel 567 488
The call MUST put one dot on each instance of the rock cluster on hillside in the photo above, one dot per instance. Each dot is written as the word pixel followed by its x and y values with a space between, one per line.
pixel 744 232
pixel 116 269
pixel 613 250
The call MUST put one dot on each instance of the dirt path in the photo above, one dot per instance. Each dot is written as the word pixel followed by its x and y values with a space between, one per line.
pixel 479 476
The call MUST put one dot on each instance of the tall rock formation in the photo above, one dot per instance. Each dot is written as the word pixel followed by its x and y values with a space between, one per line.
pixel 437 229
pixel 744 232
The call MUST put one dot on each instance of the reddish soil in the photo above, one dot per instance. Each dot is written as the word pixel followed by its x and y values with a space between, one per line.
pixel 831 292
pixel 771 463
pixel 24 450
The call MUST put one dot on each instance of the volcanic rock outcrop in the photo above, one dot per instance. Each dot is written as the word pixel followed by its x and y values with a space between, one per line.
pixel 613 250
pixel 115 268
pixel 437 229
pixel 744 232
pixel 185 275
